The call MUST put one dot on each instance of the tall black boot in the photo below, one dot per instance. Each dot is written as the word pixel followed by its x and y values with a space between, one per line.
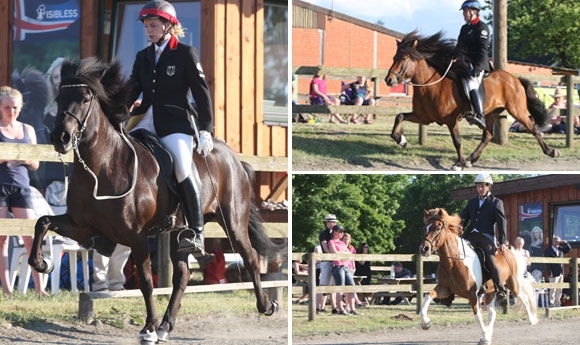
pixel 501 291
pixel 190 195
pixel 477 117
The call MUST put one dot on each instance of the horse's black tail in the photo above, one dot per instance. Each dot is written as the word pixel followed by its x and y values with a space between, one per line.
pixel 535 105
pixel 274 251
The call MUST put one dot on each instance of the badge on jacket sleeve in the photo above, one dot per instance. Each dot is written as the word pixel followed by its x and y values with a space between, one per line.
pixel 170 70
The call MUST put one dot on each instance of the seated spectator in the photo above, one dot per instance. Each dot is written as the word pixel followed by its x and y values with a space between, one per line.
pixel 299 268
pixel 319 96
pixel 557 122
pixel 400 272
pixel 358 93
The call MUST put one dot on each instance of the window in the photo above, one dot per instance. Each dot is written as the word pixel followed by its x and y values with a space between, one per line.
pixel 276 63
pixel 128 36
pixel 566 224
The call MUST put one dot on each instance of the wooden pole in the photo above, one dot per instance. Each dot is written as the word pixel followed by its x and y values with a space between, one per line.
pixel 569 111
pixel 500 130
pixel 164 266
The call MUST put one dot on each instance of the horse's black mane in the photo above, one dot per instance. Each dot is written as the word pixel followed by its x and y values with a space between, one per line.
pixel 437 50
pixel 106 82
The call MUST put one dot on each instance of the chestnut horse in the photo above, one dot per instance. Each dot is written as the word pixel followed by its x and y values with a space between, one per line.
pixel 118 191
pixel 460 273
pixel 438 95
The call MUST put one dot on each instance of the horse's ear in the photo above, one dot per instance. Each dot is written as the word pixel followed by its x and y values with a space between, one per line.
pixel 398 42
pixel 415 43
pixel 440 212
pixel 425 212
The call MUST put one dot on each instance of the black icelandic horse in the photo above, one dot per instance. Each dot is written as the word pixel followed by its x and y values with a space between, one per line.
pixel 117 191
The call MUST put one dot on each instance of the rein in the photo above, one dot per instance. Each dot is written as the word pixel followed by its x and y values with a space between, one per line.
pixel 437 81
pixel 76 140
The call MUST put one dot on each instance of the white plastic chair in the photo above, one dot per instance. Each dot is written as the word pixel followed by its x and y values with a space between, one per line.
pixel 20 260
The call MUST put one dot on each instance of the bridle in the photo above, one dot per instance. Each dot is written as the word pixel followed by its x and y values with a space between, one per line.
pixel 75 145
pixel 406 66
pixel 435 242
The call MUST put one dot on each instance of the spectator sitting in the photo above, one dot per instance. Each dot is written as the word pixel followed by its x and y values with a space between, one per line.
pixel 400 272
pixel 318 96
pixel 299 268
pixel 358 93
pixel 557 122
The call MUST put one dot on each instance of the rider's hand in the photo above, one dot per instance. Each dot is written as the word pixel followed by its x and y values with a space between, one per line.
pixel 205 145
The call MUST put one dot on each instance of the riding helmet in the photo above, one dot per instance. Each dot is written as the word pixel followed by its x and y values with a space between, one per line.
pixel 483 178
pixel 471 4
pixel 159 9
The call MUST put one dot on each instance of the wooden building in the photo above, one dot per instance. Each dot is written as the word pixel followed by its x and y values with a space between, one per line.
pixel 243 47
pixel 551 202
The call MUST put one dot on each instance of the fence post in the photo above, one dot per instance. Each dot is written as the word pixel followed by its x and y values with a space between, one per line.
pixel 422 134
pixel 574 280
pixel 419 287
pixel 311 287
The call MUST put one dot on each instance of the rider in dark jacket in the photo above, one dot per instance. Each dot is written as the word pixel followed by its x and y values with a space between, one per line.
pixel 472 47
pixel 479 217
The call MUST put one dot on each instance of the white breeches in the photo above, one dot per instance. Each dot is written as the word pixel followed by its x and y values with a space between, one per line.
pixel 181 148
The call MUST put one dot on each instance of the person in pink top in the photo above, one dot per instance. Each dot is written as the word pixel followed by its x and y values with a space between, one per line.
pixel 319 96
pixel 340 271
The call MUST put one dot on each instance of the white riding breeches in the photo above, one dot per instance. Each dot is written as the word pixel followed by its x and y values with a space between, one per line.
pixel 474 82
pixel 181 148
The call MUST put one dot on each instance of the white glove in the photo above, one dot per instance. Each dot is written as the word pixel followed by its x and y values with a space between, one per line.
pixel 205 145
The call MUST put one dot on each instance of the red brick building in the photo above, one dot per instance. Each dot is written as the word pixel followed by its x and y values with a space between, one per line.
pixel 321 37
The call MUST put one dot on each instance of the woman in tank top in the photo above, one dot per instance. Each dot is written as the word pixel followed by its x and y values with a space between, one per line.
pixel 15 195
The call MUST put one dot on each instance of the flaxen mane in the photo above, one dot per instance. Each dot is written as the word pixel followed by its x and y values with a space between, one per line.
pixel 453 222
pixel 436 50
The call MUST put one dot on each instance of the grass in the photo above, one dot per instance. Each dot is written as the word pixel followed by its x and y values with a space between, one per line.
pixel 324 146
pixel 22 310
pixel 381 318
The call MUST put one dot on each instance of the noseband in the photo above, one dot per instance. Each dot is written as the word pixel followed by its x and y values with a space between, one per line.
pixel 435 241
pixel 402 71
pixel 82 125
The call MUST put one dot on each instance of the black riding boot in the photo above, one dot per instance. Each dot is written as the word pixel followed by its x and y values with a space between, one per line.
pixel 477 117
pixel 190 195
pixel 501 291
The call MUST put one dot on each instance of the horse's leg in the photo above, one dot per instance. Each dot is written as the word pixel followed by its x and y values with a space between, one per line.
pixel 238 227
pixel 62 225
pixel 456 138
pixel 396 133
pixel 486 137
pixel 140 252
pixel 437 292
pixel 180 279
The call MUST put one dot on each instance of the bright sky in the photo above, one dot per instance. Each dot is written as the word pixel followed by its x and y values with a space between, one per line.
pixel 427 16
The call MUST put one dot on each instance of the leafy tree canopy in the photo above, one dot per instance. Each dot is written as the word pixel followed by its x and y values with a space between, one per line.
pixel 543 28
pixel 386 211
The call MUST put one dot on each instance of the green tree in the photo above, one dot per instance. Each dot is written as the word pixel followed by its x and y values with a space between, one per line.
pixel 543 28
pixel 364 204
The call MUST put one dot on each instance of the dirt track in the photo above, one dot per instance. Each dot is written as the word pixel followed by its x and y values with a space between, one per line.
pixel 561 332
pixel 220 330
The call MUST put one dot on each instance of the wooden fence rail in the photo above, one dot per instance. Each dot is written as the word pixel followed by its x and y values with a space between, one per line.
pixel 46 153
pixel 419 287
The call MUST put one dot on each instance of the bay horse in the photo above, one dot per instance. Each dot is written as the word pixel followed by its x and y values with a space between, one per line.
pixel 118 191
pixel 438 96
pixel 460 273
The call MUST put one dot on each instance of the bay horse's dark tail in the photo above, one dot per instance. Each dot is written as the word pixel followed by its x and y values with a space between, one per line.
pixel 535 105
pixel 276 252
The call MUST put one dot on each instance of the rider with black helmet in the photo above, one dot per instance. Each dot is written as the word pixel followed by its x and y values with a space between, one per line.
pixel 164 73
pixel 472 47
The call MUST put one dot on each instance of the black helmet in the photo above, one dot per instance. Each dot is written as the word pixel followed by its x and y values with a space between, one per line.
pixel 159 9
pixel 472 4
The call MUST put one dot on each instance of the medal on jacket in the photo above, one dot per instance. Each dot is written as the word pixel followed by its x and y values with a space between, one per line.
pixel 170 70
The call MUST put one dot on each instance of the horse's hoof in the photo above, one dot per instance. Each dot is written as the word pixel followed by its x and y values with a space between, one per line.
pixel 555 154
pixel 467 164
pixel 403 143
pixel 426 326
pixel 484 342
pixel 148 338
pixel 274 307
pixel 162 335
pixel 49 264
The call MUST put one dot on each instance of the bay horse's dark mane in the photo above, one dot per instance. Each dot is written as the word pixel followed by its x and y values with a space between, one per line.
pixel 453 221
pixel 437 50
pixel 105 81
